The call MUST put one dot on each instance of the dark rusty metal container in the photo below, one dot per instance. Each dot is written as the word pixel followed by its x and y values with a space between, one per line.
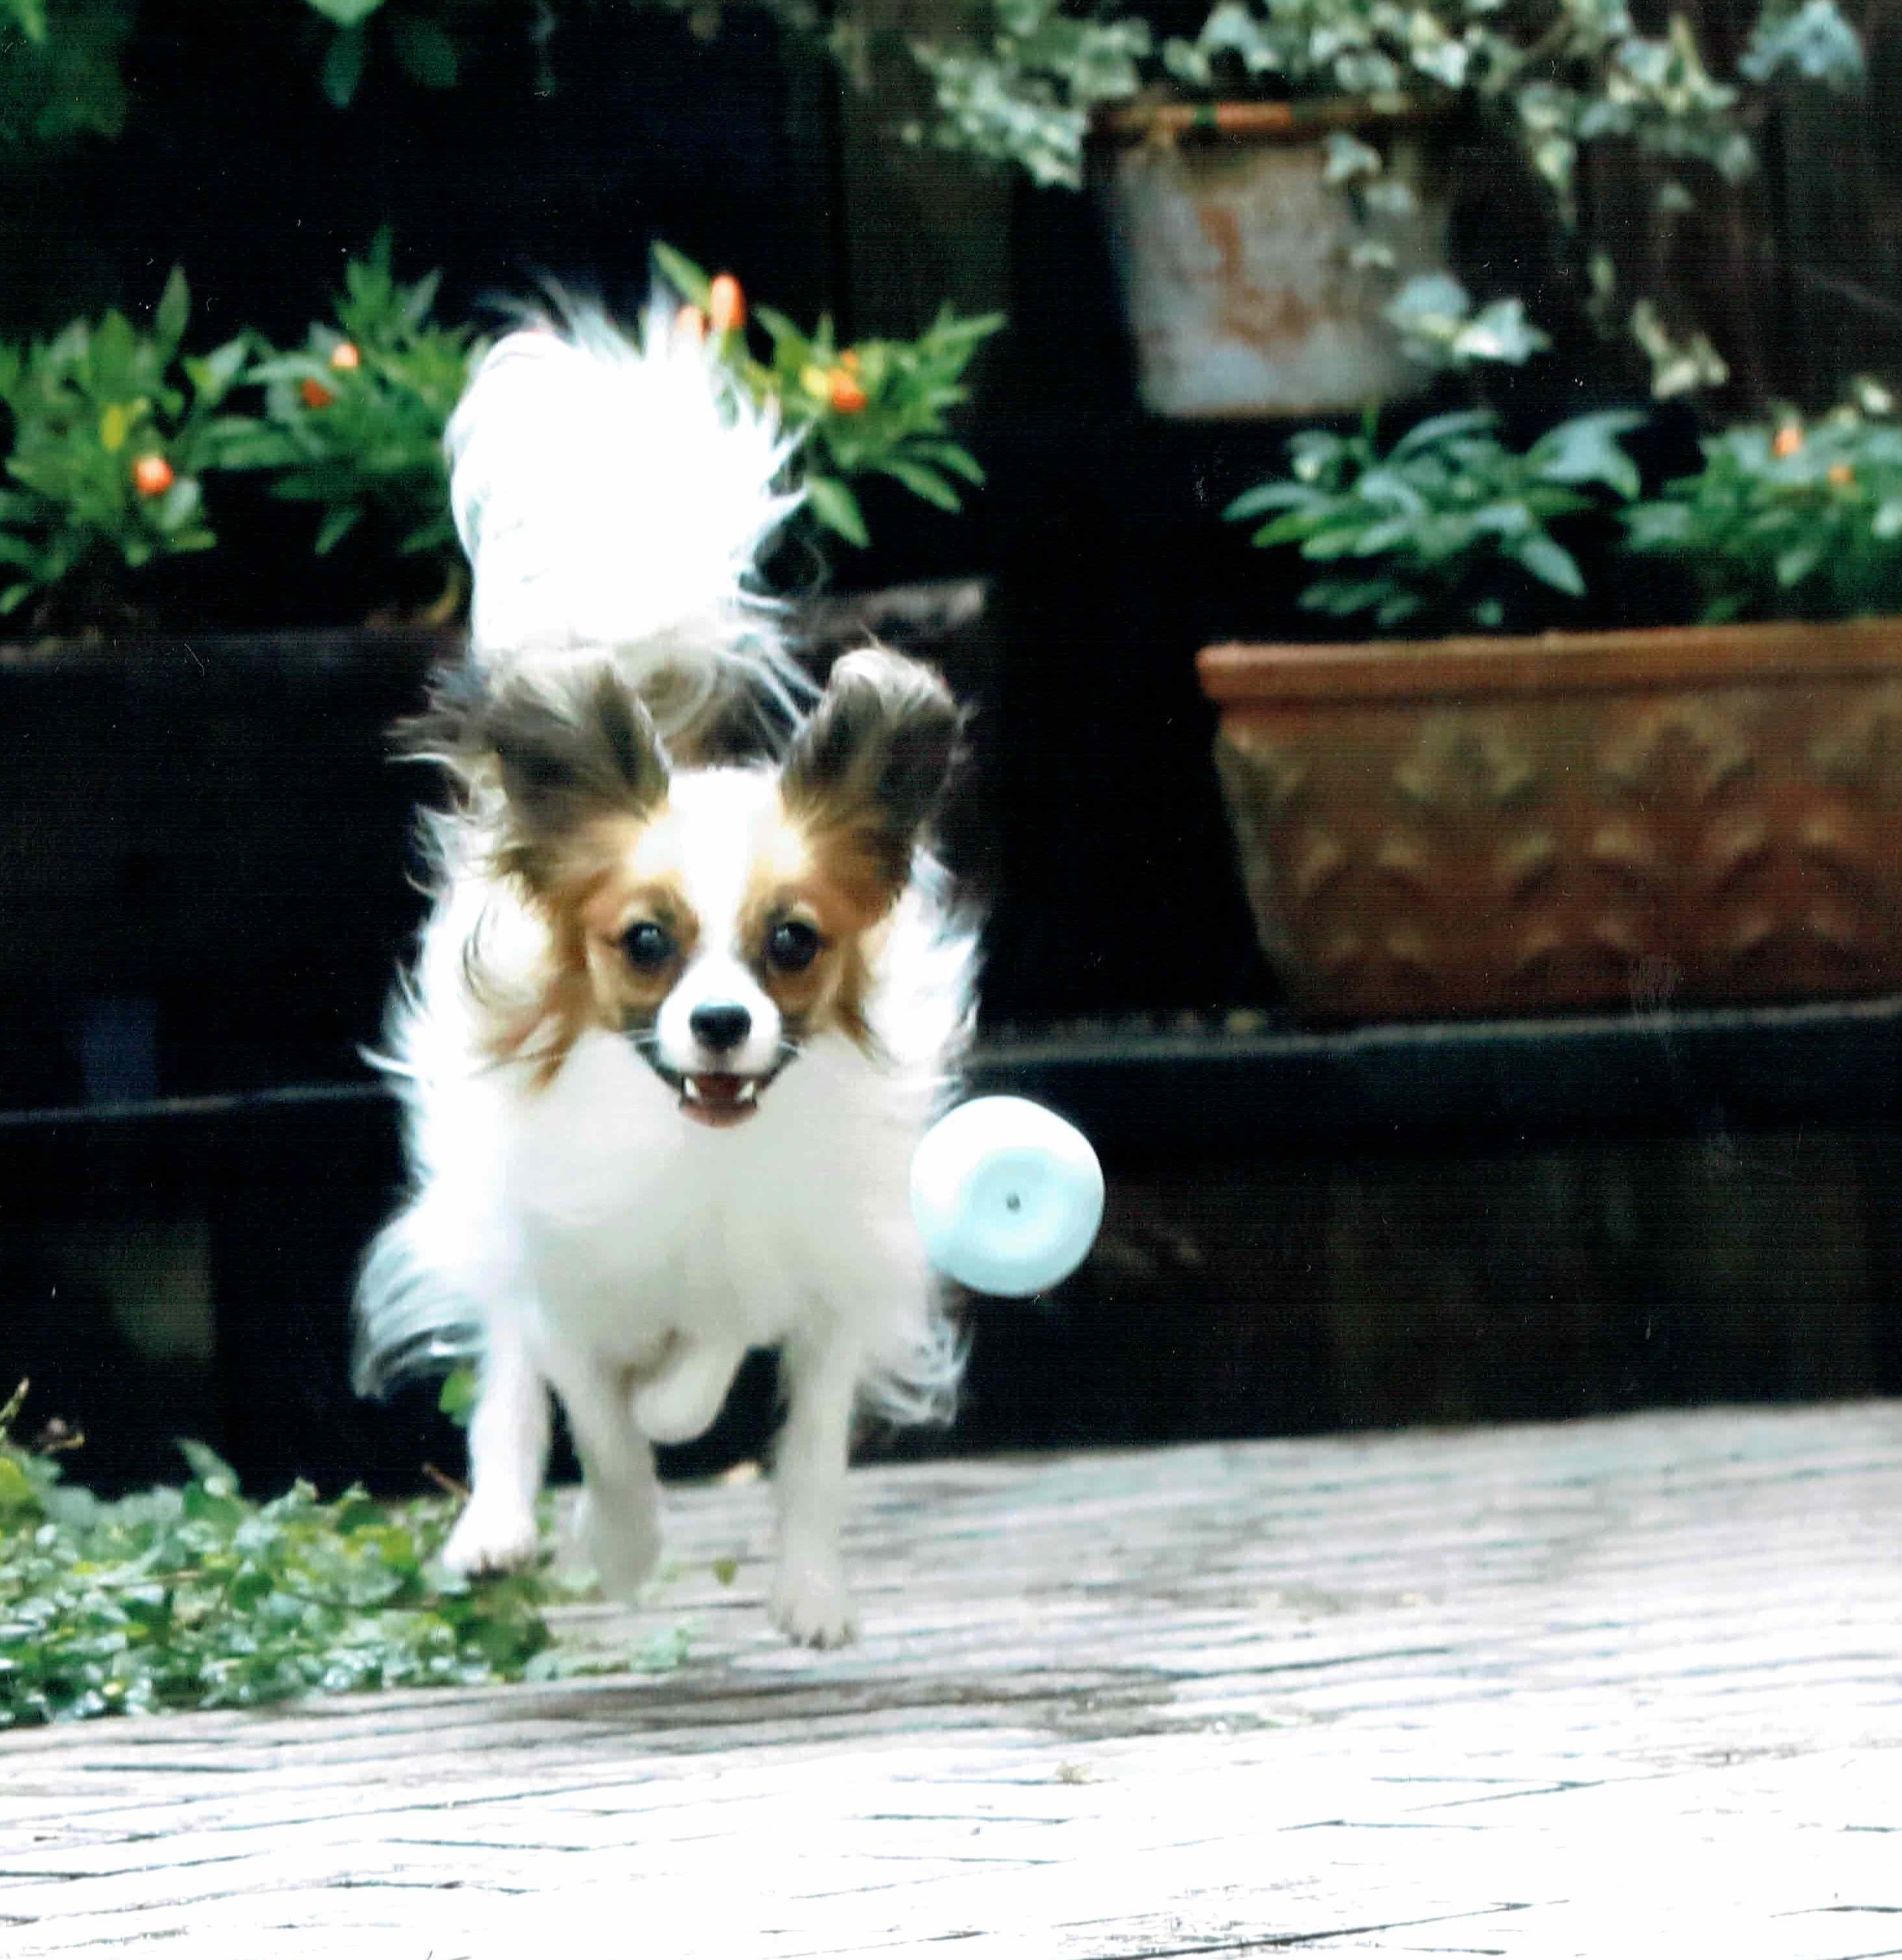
pixel 1252 284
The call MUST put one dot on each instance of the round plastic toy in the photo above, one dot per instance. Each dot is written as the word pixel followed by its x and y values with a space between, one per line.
pixel 1007 1196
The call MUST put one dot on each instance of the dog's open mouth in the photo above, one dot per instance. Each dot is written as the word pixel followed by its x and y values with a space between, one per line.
pixel 720 1101
pixel 714 1097
pixel 720 1098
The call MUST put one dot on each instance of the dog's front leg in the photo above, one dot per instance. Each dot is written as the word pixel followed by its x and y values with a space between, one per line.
pixel 618 1521
pixel 809 1600
pixel 508 1439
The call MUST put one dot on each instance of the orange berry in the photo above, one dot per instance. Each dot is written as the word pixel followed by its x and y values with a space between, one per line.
pixel 1841 475
pixel 152 476
pixel 849 360
pixel 315 395
pixel 845 394
pixel 690 323
pixel 1789 440
pixel 726 304
pixel 344 357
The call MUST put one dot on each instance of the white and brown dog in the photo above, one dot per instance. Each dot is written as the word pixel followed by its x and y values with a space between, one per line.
pixel 678 1020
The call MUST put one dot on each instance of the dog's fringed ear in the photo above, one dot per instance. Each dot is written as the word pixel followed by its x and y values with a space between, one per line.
pixel 872 760
pixel 568 747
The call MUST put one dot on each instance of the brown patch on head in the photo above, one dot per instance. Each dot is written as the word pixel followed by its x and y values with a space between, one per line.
pixel 576 754
pixel 636 929
pixel 803 933
pixel 866 773
pixel 860 785
pixel 581 830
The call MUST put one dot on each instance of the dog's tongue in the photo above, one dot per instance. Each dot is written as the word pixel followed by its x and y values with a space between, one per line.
pixel 719 1101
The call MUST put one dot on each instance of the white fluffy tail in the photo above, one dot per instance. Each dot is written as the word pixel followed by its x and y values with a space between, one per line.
pixel 614 494
pixel 410 1321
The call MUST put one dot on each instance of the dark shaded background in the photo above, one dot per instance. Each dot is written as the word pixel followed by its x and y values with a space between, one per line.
pixel 204 855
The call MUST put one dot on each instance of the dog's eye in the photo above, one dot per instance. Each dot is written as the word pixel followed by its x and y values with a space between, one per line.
pixel 648 945
pixel 793 946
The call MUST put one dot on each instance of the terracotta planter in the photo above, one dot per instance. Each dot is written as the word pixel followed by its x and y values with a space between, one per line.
pixel 1475 826
pixel 1240 264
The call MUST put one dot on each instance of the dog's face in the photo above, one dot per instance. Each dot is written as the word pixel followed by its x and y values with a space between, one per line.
pixel 717 919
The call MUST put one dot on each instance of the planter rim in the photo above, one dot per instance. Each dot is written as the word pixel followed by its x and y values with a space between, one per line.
pixel 1648 658
pixel 930 607
pixel 1298 122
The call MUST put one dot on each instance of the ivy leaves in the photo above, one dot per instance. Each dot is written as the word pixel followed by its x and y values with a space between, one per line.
pixel 422 47
pixel 195 1596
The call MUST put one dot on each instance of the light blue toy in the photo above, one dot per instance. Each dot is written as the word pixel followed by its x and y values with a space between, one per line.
pixel 1008 1196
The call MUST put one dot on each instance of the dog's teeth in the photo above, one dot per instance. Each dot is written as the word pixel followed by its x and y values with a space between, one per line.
pixel 693 1090
pixel 749 1091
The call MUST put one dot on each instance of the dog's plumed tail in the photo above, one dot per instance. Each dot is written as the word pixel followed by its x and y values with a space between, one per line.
pixel 613 495
pixel 409 1322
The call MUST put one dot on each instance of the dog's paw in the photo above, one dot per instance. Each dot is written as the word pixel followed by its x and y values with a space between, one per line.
pixel 622 1551
pixel 811 1606
pixel 491 1537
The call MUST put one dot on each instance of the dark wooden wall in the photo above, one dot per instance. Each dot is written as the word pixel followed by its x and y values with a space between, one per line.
pixel 189 1276
pixel 1240 1291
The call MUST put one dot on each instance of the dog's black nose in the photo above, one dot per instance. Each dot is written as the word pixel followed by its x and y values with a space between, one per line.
pixel 720 1025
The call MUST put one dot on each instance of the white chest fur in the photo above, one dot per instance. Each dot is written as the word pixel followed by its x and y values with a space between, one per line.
pixel 631 1221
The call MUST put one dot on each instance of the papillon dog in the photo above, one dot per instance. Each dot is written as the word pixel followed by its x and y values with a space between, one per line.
pixel 691 988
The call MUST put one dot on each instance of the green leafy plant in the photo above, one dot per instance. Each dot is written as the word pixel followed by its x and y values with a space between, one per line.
pixel 1440 326
pixel 196 1597
pixel 879 408
pixel 111 431
pixel 456 1399
pixel 353 421
pixel 60 77
pixel 1025 82
pixel 1448 530
pixel 421 42
pixel 61 61
pixel 1021 86
pixel 1807 39
pixel 427 41
pixel 1789 519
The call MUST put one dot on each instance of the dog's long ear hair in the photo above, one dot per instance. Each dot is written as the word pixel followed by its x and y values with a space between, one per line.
pixel 561 746
pixel 869 768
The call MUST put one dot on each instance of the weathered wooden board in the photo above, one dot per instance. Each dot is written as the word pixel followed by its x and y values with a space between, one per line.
pixel 1631 1686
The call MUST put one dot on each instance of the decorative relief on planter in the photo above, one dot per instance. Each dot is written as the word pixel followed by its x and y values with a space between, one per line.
pixel 1570 845
pixel 1863 750
pixel 1464 762
pixel 1379 885
pixel 1678 748
pixel 1690 840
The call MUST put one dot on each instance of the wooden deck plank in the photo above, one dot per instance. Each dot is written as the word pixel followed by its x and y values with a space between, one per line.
pixel 1582 1688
